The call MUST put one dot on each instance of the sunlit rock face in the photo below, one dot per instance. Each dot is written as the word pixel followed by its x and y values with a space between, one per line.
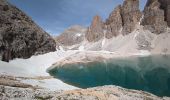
pixel 20 37
pixel 95 31
pixel 122 20
pixel 71 36
pixel 156 16
pixel 130 15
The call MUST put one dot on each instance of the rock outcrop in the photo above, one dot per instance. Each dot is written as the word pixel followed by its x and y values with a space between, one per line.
pixel 121 21
pixel 165 5
pixel 113 24
pixel 95 31
pixel 20 37
pixel 154 17
pixel 71 36
pixel 130 15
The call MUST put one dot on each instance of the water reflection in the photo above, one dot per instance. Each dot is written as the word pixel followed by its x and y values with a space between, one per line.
pixel 151 74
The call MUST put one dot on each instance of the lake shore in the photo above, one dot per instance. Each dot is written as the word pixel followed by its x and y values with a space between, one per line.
pixel 31 74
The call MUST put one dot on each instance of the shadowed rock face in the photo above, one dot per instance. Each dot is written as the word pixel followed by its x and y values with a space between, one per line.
pixel 155 16
pixel 20 37
pixel 165 5
pixel 113 24
pixel 95 31
pixel 130 15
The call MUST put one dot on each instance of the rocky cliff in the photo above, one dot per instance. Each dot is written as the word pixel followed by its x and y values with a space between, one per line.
pixel 128 30
pixel 124 19
pixel 121 21
pixel 155 16
pixel 20 37
pixel 95 31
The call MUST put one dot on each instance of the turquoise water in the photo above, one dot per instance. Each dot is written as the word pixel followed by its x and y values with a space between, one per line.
pixel 150 74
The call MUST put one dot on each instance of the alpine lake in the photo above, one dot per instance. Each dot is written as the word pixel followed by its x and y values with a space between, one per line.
pixel 151 73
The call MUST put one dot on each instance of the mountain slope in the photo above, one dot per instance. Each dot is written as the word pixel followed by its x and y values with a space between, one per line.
pixel 129 31
pixel 20 37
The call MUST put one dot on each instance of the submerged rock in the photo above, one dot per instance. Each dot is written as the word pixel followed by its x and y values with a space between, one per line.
pixel 20 37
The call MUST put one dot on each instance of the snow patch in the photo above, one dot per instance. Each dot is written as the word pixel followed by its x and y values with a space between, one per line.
pixel 51 84
pixel 81 48
pixel 78 34
pixel 103 42
pixel 143 53
pixel 61 48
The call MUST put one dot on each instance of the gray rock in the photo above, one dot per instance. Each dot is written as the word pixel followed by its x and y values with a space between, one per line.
pixel 95 31
pixel 20 37
pixel 165 5
pixel 130 15
pixel 71 36
pixel 154 17
pixel 113 24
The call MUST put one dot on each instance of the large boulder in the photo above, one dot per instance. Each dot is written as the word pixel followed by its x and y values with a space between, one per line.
pixel 95 31
pixel 130 15
pixel 154 17
pixel 20 37
pixel 113 24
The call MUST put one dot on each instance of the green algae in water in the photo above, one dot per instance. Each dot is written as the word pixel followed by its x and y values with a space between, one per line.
pixel 150 74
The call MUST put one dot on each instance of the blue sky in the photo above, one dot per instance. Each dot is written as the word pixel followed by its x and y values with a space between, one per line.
pixel 54 16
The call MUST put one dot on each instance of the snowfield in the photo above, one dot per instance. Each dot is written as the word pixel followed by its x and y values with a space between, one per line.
pixel 35 67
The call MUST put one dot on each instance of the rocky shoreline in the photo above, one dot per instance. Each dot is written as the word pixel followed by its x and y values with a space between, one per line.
pixel 12 89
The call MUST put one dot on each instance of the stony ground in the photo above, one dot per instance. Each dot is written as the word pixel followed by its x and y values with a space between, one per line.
pixel 12 89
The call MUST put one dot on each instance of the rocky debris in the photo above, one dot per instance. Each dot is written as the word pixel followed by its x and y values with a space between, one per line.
pixel 113 24
pixel 12 81
pixel 10 92
pixel 97 93
pixel 20 37
pixel 71 36
pixel 154 17
pixel 107 93
pixel 14 93
pixel 130 15
pixel 95 31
